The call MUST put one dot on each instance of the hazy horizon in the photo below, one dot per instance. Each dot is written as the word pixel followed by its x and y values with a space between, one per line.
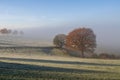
pixel 43 19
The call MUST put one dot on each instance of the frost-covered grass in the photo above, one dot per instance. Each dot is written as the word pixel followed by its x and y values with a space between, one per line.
pixel 46 67
pixel 41 62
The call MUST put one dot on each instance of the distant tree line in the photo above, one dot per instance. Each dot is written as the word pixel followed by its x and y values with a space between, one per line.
pixel 9 31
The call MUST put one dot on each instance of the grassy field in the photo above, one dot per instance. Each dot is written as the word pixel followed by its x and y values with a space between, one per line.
pixel 46 67
pixel 18 62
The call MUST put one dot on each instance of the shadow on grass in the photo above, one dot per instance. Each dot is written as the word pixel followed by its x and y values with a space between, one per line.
pixel 28 47
pixel 58 62
pixel 15 48
pixel 16 66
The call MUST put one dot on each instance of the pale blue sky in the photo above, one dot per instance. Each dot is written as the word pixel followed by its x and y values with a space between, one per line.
pixel 50 17
pixel 41 13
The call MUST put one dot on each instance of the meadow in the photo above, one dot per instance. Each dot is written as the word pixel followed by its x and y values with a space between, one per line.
pixel 19 66
pixel 50 63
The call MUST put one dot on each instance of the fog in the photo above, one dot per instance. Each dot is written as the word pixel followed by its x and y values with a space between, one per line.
pixel 43 19
pixel 107 37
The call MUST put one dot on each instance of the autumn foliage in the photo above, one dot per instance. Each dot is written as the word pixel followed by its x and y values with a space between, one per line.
pixel 82 39
pixel 5 31
pixel 9 31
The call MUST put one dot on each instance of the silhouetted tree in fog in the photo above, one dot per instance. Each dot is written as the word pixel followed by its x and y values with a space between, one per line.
pixel 82 39
pixel 21 32
pixel 9 31
pixel 15 32
pixel 5 31
pixel 59 40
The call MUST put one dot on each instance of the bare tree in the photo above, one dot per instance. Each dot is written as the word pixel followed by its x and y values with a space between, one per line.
pixel 82 39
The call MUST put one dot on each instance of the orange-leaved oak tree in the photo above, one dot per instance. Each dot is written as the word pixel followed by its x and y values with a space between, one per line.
pixel 82 39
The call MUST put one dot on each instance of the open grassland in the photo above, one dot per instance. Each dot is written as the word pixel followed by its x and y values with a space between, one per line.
pixel 22 59
pixel 46 67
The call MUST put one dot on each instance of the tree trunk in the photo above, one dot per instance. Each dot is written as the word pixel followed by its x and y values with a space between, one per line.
pixel 82 52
